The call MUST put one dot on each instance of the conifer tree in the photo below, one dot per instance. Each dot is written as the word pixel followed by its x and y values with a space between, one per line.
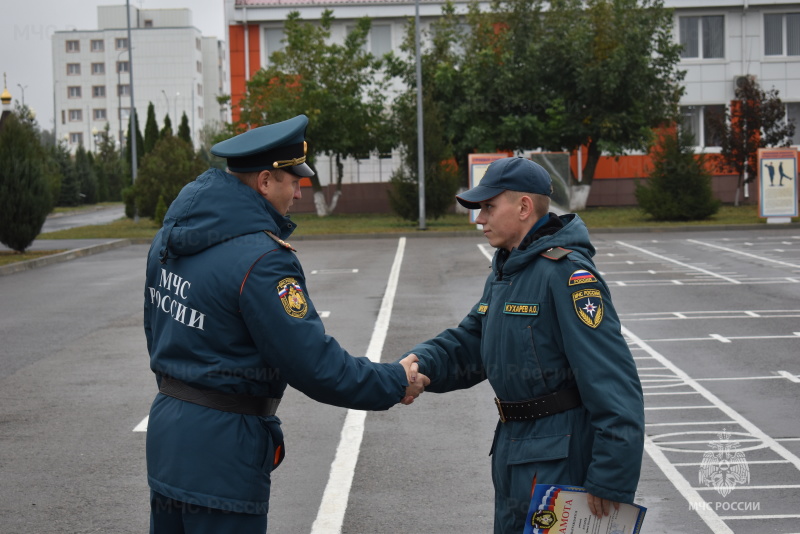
pixel 139 142
pixel 679 188
pixel 25 198
pixel 151 133
pixel 183 130
pixel 167 129
pixel 84 169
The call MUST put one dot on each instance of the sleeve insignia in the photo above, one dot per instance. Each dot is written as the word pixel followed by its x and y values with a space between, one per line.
pixel 581 277
pixel 588 305
pixel 292 298
pixel 482 308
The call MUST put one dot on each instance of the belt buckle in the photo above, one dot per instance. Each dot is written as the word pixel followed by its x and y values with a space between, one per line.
pixel 500 410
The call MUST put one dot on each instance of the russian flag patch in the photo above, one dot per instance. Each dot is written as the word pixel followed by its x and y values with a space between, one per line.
pixel 581 277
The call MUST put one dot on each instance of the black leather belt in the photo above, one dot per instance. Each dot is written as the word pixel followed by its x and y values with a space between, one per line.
pixel 226 402
pixel 531 409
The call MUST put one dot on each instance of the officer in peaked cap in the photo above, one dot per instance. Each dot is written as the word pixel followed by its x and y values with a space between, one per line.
pixel 274 146
pixel 229 324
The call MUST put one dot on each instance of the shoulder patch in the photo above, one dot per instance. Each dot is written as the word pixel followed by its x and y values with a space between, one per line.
pixel 556 253
pixel 581 277
pixel 588 304
pixel 483 307
pixel 292 297
pixel 280 241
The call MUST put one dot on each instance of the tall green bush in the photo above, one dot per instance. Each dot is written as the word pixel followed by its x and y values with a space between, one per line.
pixel 679 188
pixel 163 173
pixel 25 194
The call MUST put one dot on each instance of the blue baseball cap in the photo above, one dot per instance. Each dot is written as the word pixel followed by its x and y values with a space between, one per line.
pixel 275 146
pixel 508 174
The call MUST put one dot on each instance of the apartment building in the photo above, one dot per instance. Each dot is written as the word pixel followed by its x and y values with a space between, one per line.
pixel 174 66
pixel 723 40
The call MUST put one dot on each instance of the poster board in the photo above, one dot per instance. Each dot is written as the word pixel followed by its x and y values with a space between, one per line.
pixel 777 184
pixel 478 163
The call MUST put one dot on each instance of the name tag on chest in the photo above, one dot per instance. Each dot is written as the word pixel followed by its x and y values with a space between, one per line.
pixel 520 308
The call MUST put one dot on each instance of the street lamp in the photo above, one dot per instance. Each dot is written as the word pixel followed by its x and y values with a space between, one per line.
pixel 22 88
pixel 119 95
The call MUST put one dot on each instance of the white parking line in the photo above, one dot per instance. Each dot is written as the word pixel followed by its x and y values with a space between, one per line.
pixel 753 433
pixel 747 254
pixel 676 262
pixel 142 426
pixel 337 492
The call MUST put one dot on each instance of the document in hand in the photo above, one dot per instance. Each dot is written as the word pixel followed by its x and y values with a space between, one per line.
pixel 565 509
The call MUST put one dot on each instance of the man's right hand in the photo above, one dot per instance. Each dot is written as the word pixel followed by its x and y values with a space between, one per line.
pixel 416 380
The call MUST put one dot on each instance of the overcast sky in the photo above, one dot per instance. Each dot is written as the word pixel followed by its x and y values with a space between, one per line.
pixel 26 28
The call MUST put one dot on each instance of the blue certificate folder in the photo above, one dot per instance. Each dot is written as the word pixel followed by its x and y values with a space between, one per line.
pixel 555 509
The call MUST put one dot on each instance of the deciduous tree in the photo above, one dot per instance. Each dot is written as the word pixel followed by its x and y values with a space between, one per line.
pixel 339 87
pixel 754 119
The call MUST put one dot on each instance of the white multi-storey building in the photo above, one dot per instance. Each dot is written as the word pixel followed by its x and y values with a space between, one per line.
pixel 174 66
pixel 723 41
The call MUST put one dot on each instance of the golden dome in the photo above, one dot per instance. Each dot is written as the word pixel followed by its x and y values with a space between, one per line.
pixel 6 96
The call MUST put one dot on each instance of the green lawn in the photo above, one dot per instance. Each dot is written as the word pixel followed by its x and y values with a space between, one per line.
pixel 310 224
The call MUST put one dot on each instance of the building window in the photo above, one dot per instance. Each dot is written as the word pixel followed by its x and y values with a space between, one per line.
pixel 273 37
pixel 200 67
pixel 198 43
pixel 702 37
pixel 75 115
pixel 782 34
pixel 698 120
pixel 793 114
pixel 200 112
pixel 123 90
pixel 199 89
pixel 73 69
pixel 74 91
pixel 73 46
pixel 122 43
pixel 148 23
pixel 380 39
pixel 99 114
pixel 76 138
pixel 122 66
pixel 124 114
pixel 98 68
pixel 98 45
pixel 98 91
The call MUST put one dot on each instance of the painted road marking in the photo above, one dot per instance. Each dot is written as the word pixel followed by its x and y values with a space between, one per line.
pixel 335 271
pixel 337 492
pixel 142 426
pixel 747 254
pixel 684 265
pixel 655 445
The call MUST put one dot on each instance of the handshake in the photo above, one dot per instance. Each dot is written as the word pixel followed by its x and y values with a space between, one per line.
pixel 416 380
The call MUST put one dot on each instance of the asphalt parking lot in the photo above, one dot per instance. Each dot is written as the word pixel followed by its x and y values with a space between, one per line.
pixel 711 318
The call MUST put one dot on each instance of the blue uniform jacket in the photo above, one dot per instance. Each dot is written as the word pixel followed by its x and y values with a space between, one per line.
pixel 543 325
pixel 226 308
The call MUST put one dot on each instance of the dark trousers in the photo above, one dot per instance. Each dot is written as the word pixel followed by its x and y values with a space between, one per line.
pixel 168 516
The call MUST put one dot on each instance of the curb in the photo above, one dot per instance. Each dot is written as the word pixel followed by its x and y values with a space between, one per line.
pixel 64 256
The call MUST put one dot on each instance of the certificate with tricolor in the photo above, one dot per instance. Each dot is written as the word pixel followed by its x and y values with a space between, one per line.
pixel 555 509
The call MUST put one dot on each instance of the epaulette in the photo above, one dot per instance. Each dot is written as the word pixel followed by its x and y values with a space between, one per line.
pixel 556 253
pixel 280 241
